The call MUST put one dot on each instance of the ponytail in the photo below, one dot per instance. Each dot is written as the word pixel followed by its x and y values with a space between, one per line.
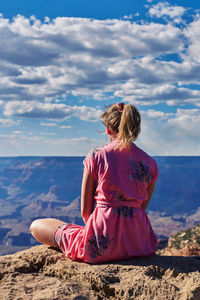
pixel 129 127
pixel 124 120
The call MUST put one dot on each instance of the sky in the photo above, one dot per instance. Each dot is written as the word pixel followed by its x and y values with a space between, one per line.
pixel 62 62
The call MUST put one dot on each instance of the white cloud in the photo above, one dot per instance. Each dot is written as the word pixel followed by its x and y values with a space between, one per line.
pixel 17 132
pixel 162 9
pixel 74 55
pixel 62 57
pixel 153 94
pixel 31 109
pixel 179 135
pixel 188 122
pixel 8 122
pixel 192 34
pixel 156 114
pixel 162 134
pixel 130 16
pixel 66 126
pixel 48 124
pixel 49 70
pixel 47 133
pixel 47 145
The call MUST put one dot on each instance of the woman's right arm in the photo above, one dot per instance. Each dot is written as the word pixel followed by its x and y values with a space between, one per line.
pixel 87 195
pixel 150 193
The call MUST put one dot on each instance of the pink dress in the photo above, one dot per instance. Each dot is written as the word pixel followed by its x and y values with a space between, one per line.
pixel 118 228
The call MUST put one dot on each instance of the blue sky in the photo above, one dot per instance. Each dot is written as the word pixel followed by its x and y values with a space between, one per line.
pixel 61 62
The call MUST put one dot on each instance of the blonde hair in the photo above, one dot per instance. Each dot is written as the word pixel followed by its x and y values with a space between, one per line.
pixel 124 120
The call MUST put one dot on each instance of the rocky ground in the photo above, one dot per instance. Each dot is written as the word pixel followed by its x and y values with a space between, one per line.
pixel 44 273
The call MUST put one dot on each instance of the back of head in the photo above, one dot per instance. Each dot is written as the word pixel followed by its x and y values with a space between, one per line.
pixel 124 120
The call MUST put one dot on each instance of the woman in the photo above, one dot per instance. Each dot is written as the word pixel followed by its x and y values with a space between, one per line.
pixel 118 182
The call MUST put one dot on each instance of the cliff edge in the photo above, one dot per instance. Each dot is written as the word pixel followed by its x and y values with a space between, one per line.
pixel 44 273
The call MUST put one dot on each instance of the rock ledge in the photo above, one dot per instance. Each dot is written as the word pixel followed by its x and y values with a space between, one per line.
pixel 44 273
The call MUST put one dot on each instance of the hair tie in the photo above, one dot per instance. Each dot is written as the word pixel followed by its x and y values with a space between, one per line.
pixel 120 107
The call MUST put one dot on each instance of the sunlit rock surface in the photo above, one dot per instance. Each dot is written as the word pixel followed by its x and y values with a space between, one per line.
pixel 44 273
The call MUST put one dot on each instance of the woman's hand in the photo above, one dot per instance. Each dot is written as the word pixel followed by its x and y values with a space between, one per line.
pixel 87 195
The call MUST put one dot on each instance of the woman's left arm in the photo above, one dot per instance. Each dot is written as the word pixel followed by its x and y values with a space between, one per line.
pixel 87 195
pixel 150 193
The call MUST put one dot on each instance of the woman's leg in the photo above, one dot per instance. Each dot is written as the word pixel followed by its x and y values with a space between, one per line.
pixel 43 230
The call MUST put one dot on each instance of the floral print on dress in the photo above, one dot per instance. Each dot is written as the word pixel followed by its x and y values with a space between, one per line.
pixel 97 246
pixel 121 197
pixel 124 211
pixel 140 171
